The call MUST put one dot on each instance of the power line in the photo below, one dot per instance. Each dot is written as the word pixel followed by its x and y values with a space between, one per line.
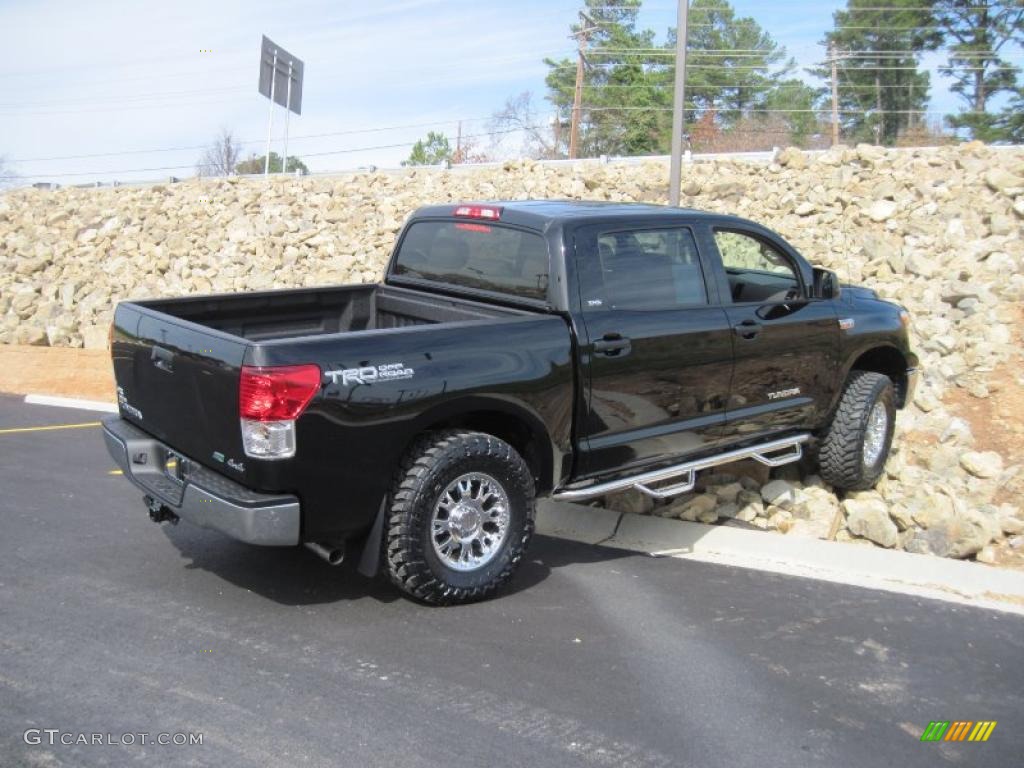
pixel 350 150
pixel 795 3
pixel 194 147
pixel 128 108
pixel 795 66
pixel 730 108
pixel 716 87
pixel 410 143
pixel 125 99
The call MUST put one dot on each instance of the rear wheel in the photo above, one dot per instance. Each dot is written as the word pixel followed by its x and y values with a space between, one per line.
pixel 856 444
pixel 461 517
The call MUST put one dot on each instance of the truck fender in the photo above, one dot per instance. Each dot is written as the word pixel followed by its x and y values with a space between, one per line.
pixel 472 412
pixel 465 412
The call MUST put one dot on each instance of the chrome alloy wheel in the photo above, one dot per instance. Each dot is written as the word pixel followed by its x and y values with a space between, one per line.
pixel 470 521
pixel 874 434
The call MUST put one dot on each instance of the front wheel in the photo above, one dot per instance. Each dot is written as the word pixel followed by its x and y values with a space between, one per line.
pixel 461 517
pixel 856 444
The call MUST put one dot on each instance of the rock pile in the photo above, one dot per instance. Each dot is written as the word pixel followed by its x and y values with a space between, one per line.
pixel 938 230
pixel 942 517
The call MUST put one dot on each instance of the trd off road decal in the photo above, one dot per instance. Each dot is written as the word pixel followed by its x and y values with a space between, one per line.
pixel 348 377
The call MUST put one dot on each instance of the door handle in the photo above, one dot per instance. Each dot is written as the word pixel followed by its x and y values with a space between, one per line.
pixel 612 345
pixel 748 329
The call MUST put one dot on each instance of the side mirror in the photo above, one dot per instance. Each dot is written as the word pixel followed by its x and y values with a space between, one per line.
pixel 826 284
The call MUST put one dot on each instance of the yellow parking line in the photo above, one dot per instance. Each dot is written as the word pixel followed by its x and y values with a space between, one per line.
pixel 115 472
pixel 46 429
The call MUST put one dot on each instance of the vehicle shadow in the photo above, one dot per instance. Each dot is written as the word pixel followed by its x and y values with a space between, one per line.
pixel 294 576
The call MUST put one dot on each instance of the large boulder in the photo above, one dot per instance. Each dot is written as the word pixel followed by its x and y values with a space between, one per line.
pixel 961 536
pixel 869 519
pixel 983 464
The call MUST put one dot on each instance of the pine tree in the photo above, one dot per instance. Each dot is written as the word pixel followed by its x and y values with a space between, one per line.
pixel 625 103
pixel 977 33
pixel 430 151
pixel 733 69
pixel 734 64
pixel 1009 125
pixel 256 163
pixel 881 90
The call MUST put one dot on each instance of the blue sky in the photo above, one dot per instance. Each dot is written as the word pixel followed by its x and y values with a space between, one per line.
pixel 111 76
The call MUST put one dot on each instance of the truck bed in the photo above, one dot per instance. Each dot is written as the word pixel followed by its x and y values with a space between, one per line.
pixel 277 315
pixel 178 362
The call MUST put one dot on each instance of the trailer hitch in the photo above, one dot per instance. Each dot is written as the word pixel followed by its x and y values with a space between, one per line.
pixel 160 513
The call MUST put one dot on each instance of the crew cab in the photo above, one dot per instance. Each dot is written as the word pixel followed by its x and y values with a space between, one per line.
pixel 514 350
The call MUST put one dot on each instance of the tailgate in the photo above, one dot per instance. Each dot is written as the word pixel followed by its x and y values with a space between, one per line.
pixel 178 381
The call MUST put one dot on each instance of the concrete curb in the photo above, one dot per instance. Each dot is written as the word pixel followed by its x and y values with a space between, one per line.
pixel 71 402
pixel 938 578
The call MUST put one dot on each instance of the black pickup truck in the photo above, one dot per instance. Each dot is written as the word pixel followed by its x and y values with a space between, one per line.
pixel 514 350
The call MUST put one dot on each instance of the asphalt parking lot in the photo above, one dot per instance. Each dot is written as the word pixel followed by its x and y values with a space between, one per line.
pixel 110 624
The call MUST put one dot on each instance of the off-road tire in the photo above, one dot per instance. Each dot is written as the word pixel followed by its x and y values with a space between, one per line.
pixel 434 461
pixel 841 451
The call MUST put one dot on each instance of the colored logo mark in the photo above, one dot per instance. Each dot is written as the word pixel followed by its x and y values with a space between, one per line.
pixel 958 730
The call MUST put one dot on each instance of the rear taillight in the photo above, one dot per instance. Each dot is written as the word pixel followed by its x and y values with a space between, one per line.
pixel 269 401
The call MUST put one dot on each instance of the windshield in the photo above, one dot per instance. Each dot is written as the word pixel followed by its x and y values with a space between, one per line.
pixel 486 257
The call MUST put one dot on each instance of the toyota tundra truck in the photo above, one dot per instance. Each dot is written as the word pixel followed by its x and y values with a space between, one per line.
pixel 514 350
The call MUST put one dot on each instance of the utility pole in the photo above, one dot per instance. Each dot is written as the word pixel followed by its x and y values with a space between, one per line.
pixel 910 114
pixel 878 93
pixel 458 144
pixel 587 26
pixel 835 93
pixel 678 103
pixel 878 108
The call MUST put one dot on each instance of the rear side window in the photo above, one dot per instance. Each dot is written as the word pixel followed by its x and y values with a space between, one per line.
pixel 487 257
pixel 651 269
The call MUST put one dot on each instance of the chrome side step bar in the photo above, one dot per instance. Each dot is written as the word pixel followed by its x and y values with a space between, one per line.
pixel 766 453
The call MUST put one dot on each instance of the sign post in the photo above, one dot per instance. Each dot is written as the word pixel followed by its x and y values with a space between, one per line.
pixel 287 114
pixel 282 85
pixel 270 123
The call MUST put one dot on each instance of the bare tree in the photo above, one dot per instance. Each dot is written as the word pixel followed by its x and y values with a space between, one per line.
pixel 540 140
pixel 221 157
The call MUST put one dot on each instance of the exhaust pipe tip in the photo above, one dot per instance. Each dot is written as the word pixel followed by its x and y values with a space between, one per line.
pixel 330 551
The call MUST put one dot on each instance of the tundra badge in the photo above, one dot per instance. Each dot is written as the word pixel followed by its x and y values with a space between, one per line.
pixel 131 410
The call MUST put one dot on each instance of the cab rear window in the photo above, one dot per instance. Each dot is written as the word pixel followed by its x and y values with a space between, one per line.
pixel 473 254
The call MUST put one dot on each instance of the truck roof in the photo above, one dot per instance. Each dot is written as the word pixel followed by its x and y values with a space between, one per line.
pixel 539 214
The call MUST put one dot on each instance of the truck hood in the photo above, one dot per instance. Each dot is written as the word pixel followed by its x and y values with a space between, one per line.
pixel 859 292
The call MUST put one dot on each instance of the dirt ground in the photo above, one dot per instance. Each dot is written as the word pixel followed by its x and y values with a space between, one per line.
pixel 997 421
pixel 84 373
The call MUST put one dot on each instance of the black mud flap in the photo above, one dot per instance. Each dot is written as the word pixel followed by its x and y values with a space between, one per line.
pixel 369 561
